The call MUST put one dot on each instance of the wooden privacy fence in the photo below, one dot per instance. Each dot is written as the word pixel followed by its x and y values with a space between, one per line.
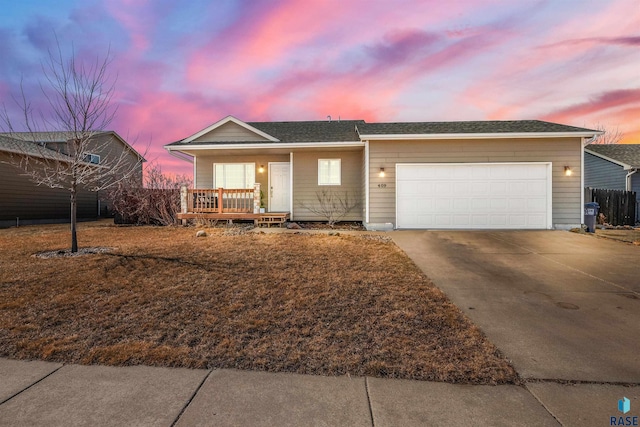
pixel 618 207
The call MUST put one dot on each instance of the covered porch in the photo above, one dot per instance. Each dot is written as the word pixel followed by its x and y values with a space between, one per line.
pixel 228 204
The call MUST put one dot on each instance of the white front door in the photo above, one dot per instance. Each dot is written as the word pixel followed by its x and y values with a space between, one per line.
pixel 279 187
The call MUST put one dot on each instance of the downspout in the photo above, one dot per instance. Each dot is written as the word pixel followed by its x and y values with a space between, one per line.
pixel 628 179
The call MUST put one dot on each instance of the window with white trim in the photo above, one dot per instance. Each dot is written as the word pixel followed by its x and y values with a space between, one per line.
pixel 92 158
pixel 329 172
pixel 234 175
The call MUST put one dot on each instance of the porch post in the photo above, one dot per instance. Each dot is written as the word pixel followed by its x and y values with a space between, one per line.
pixel 220 200
pixel 184 208
pixel 256 198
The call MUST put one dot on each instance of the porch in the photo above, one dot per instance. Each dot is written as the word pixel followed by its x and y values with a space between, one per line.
pixel 227 204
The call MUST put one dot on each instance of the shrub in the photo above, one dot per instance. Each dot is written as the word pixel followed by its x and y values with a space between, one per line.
pixel 157 203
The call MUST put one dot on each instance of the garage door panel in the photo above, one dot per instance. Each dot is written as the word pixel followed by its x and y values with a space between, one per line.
pixel 473 195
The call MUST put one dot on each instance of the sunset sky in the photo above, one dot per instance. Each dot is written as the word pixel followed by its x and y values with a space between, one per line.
pixel 182 65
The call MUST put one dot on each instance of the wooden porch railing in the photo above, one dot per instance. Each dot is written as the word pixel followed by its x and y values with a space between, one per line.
pixel 220 200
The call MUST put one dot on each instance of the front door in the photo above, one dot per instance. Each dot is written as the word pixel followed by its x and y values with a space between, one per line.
pixel 279 187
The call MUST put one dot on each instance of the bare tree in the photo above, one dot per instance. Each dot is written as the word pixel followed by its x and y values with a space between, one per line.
pixel 332 205
pixel 610 135
pixel 78 110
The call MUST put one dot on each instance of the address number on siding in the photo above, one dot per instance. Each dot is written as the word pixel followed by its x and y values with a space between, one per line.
pixel 382 185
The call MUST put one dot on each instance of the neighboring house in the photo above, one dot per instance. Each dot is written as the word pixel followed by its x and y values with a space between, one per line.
pixel 613 167
pixel 432 175
pixel 23 201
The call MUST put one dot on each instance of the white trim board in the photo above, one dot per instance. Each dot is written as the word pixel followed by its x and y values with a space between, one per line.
pixel 264 145
pixel 502 135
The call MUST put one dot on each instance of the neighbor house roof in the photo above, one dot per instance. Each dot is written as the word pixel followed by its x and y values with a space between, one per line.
pixel 23 147
pixel 627 155
pixel 63 136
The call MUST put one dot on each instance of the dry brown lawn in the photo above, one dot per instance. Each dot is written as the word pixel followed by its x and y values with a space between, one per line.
pixel 311 304
pixel 629 236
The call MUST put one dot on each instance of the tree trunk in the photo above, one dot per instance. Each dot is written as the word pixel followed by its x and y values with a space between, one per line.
pixel 74 210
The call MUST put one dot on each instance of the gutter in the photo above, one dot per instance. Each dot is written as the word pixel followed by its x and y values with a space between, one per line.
pixel 263 145
pixel 502 135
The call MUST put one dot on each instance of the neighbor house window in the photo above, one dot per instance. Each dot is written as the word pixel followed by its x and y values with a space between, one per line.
pixel 234 175
pixel 329 172
pixel 92 158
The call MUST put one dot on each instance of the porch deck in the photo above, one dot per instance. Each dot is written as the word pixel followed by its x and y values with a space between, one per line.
pixel 267 218
pixel 227 205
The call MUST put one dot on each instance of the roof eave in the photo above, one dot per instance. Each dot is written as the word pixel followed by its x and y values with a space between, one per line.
pixel 500 135
pixel 625 166
pixel 257 146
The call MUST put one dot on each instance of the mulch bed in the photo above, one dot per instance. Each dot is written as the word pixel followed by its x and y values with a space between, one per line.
pixel 311 304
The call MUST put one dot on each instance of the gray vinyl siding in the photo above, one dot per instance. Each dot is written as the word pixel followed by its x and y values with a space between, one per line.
pixel 363 187
pixel 204 168
pixel 110 149
pixel 230 132
pixel 21 198
pixel 601 173
pixel 566 197
pixel 306 188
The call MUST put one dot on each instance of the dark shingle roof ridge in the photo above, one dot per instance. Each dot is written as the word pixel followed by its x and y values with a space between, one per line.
pixel 307 121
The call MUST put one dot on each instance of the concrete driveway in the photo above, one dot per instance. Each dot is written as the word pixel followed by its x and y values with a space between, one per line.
pixel 560 305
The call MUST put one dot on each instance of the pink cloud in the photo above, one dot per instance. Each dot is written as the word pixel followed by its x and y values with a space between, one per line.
pixel 622 41
pixel 596 104
pixel 137 17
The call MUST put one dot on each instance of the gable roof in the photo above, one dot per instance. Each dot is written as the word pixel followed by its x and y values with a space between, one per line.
pixel 285 132
pixel 229 119
pixel 488 128
pixel 627 155
pixel 358 131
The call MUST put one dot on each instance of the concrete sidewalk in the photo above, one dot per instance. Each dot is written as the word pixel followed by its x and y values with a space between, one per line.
pixel 50 394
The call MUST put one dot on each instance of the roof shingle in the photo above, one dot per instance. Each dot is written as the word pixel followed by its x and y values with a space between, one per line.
pixel 624 153
pixel 482 127
pixel 350 130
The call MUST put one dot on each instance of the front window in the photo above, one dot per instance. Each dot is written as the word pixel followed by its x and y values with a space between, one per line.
pixel 234 175
pixel 329 172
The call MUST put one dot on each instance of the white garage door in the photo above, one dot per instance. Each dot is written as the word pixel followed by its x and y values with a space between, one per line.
pixel 473 195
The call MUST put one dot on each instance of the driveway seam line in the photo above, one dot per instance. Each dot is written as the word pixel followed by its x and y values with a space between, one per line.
pixel 31 385
pixel 542 404
pixel 565 265
pixel 193 396
pixel 366 390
